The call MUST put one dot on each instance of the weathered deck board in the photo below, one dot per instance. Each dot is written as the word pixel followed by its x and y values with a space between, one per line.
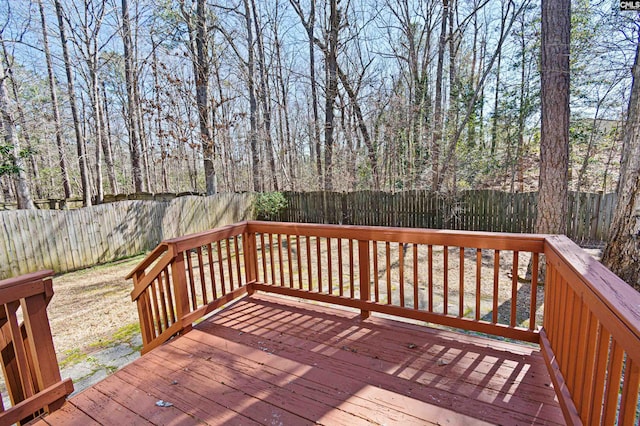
pixel 266 359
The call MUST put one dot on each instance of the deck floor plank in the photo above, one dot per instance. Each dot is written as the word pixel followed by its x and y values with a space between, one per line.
pixel 271 360
pixel 347 360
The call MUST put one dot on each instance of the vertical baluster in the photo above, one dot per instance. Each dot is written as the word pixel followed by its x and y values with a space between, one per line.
pixel 514 289
pixel 212 274
pixel 446 280
pixel 351 271
pixel 496 280
pixel 585 390
pixel 237 252
pixel 309 263
pixel 461 286
pixel 577 382
pixel 612 387
pixel 229 264
pixel 156 309
pixel 478 281
pixel 329 266
pixel 271 262
pixel 340 271
pixel 167 284
pixel 319 264
pixel 567 299
pixel 163 302
pixel 534 291
pixel 264 258
pixel 192 284
pixel 574 342
pixel 298 258
pixel 629 398
pixel 280 263
pixel 598 376
pixel 387 247
pixel 401 272
pixel 223 286
pixel 290 263
pixel 430 275
pixel 376 289
pixel 416 303
pixel 203 284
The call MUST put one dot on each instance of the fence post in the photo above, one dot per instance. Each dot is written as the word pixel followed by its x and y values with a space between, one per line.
pixel 365 281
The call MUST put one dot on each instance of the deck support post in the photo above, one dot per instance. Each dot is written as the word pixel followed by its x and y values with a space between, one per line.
pixel 365 281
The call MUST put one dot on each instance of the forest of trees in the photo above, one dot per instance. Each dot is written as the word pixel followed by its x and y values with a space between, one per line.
pixel 116 96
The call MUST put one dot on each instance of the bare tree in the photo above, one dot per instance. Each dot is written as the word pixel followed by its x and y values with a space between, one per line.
pixel 132 100
pixel 80 143
pixel 53 92
pixel 11 140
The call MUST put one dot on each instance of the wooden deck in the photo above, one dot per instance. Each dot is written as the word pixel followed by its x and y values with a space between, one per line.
pixel 269 360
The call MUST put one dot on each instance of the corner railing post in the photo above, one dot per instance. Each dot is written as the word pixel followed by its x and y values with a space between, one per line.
pixel 179 276
pixel 146 323
pixel 36 320
pixel 365 281
pixel 250 259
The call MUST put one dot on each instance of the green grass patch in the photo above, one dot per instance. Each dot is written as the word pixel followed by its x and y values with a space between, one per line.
pixel 122 335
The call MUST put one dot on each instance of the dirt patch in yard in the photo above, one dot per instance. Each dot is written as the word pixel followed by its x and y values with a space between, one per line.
pixel 92 309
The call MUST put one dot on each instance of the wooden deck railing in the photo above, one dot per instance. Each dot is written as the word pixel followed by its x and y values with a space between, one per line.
pixel 586 320
pixel 185 278
pixel 31 372
pixel 591 337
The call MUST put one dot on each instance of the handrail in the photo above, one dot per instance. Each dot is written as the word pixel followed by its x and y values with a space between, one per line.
pixel 591 337
pixel 30 367
pixel 170 296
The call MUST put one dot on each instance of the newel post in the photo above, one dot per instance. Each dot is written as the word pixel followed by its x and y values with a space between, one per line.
pixel 179 277
pixel 365 280
pixel 250 250
pixel 143 304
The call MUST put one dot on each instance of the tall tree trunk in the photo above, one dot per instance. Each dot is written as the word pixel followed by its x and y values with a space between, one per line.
pixel 264 99
pixel 54 103
pixel 201 68
pixel 437 112
pixel 622 253
pixel 11 138
pixel 82 158
pixel 331 63
pixel 309 25
pixel 554 137
pixel 106 142
pixel 132 101
pixel 253 105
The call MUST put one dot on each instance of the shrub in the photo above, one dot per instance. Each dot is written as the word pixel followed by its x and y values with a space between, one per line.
pixel 269 204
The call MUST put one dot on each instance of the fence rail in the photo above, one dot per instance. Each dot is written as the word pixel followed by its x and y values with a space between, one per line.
pixel 588 217
pixel 73 239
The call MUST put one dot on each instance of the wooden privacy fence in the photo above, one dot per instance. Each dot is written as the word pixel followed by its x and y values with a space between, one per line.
pixel 588 218
pixel 68 240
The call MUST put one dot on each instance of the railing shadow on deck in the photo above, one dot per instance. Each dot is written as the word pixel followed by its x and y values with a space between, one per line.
pixel 31 373
pixel 589 332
